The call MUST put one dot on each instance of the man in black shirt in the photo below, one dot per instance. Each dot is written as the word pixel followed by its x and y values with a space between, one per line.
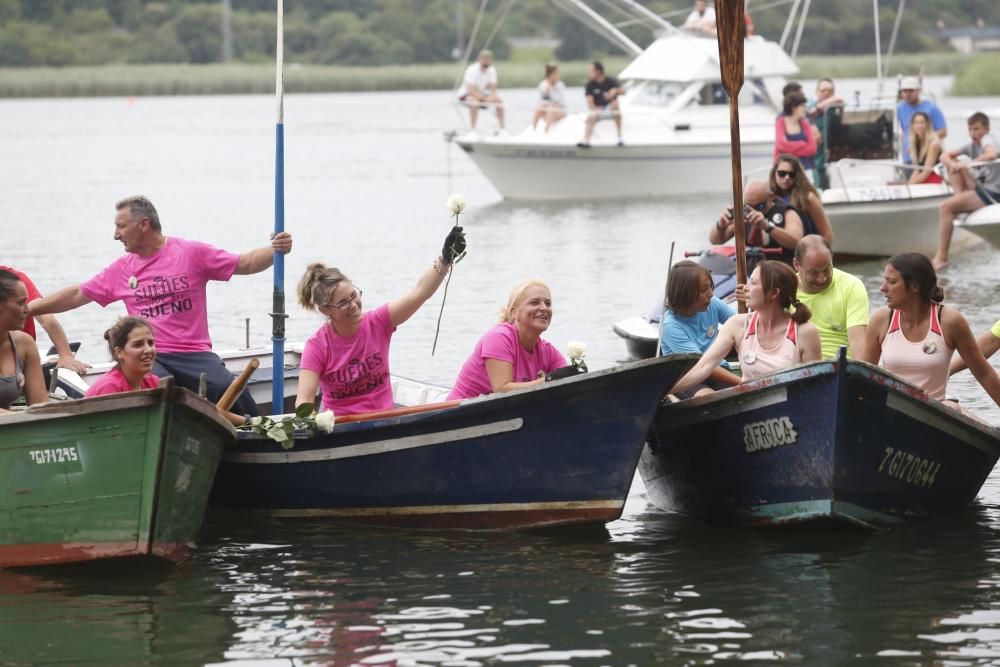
pixel 602 100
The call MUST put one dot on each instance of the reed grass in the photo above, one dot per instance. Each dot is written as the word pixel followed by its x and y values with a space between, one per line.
pixel 982 74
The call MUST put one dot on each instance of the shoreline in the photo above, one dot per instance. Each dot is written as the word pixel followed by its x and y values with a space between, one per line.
pixel 974 75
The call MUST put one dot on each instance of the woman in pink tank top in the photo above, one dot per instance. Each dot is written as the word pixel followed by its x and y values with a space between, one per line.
pixel 768 339
pixel 914 336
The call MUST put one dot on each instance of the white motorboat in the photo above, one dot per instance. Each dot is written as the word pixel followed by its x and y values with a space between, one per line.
pixel 984 223
pixel 675 129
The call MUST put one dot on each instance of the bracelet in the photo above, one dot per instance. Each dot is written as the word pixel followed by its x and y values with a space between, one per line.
pixel 439 266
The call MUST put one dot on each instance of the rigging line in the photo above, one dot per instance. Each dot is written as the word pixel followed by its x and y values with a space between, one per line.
pixel 892 39
pixel 789 23
pixel 500 20
pixel 878 46
pixel 802 25
pixel 469 44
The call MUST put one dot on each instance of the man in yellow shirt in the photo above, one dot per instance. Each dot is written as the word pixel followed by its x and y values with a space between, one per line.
pixel 838 300
pixel 989 343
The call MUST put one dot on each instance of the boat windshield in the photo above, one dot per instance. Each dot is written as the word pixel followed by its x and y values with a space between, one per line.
pixel 752 92
pixel 654 93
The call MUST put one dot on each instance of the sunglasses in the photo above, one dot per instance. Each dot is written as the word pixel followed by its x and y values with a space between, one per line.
pixel 785 174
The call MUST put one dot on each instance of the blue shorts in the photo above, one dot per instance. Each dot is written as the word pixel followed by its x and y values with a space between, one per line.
pixel 988 197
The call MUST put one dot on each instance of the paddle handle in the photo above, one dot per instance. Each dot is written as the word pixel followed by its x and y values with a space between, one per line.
pixel 740 233
pixel 237 385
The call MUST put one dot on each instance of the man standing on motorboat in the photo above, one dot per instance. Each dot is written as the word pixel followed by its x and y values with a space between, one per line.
pixel 973 190
pixel 910 90
pixel 826 98
pixel 701 18
pixel 602 101
pixel 837 299
pixel 479 88
pixel 768 222
pixel 163 279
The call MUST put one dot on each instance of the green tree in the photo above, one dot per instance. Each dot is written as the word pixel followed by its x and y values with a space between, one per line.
pixel 199 33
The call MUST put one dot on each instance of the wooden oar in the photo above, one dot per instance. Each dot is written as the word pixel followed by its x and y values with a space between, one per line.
pixel 730 27
pixel 236 388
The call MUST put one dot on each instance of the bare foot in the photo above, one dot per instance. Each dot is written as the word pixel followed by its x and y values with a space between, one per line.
pixel 939 263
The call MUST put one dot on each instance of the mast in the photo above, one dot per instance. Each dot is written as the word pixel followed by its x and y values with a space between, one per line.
pixel 278 315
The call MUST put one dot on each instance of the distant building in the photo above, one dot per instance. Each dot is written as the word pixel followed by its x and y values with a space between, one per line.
pixel 972 39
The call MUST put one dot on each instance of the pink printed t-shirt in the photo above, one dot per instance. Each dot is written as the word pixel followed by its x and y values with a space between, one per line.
pixel 353 371
pixel 168 289
pixel 501 343
pixel 115 382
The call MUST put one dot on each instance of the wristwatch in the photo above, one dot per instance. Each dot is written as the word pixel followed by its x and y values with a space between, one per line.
pixel 770 225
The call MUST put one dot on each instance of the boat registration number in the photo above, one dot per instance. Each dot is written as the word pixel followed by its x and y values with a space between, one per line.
pixel 879 194
pixel 54 455
pixel 769 433
pixel 909 467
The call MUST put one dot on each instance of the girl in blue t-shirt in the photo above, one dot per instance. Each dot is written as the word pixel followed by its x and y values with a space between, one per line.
pixel 692 320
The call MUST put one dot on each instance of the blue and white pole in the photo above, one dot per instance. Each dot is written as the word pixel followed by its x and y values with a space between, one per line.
pixel 278 315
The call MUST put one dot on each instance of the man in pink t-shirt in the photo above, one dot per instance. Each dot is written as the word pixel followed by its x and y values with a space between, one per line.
pixel 163 280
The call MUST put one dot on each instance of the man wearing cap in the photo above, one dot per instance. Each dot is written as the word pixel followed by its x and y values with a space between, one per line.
pixel 479 88
pixel 911 104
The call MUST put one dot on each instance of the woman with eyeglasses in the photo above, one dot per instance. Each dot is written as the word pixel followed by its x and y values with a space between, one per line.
pixel 348 357
pixel 789 183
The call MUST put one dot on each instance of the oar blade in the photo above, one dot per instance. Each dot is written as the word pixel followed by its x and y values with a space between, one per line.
pixel 731 29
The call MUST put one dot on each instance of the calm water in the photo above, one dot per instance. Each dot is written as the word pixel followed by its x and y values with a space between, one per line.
pixel 367 177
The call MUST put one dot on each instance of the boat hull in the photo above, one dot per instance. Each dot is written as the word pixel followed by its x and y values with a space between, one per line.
pixel 561 453
pixel 640 336
pixel 118 476
pixel 832 441
pixel 542 171
pixel 984 223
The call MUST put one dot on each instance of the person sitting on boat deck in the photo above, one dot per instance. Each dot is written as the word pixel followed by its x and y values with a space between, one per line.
pixel 838 300
pixel 911 103
pixel 768 222
pixel 479 88
pixel 20 365
pixel 988 342
pixel 133 348
pixel 552 99
pixel 766 340
pixel 793 133
pixel 826 99
pixel 348 356
pixel 973 191
pixel 789 182
pixel 914 335
pixel 701 18
pixel 163 279
pixel 55 331
pixel 602 94
pixel 925 150
pixel 513 355
pixel 692 321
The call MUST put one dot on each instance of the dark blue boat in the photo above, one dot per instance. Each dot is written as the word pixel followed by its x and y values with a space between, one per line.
pixel 836 441
pixel 564 452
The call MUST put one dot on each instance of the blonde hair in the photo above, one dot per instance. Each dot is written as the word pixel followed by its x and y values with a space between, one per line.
pixel 517 296
pixel 317 283
pixel 919 146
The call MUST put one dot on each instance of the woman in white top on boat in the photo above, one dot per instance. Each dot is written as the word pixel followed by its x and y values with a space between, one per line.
pixel 552 99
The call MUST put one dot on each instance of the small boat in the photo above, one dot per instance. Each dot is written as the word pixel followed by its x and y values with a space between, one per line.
pixel 561 453
pixel 829 442
pixel 984 223
pixel 124 475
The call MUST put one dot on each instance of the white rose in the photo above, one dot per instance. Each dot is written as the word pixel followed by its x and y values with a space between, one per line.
pixel 325 420
pixel 576 349
pixel 456 204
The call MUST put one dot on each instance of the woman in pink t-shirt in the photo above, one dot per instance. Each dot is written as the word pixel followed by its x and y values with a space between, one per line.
pixel 131 344
pixel 915 337
pixel 776 335
pixel 512 355
pixel 348 357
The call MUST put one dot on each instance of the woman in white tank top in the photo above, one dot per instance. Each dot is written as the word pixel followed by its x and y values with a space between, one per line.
pixel 914 336
pixel 768 339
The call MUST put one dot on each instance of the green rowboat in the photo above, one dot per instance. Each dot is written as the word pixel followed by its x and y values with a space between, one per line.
pixel 125 475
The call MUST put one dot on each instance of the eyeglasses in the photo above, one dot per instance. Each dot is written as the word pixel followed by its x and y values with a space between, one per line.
pixel 824 90
pixel 785 174
pixel 346 303
pixel 759 206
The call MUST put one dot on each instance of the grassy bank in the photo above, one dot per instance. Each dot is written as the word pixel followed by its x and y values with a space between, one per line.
pixel 144 80
pixel 981 76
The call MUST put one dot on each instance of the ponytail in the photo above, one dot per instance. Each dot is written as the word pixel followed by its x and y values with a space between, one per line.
pixel 801 312
pixel 317 283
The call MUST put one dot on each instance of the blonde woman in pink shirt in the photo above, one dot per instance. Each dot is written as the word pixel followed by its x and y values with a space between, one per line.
pixel 915 336
pixel 348 356
pixel 776 335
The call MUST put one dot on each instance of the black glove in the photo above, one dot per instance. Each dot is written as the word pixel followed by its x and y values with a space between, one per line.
pixel 454 245
pixel 564 372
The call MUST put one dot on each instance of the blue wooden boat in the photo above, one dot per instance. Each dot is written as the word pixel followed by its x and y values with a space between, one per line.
pixel 561 453
pixel 836 441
